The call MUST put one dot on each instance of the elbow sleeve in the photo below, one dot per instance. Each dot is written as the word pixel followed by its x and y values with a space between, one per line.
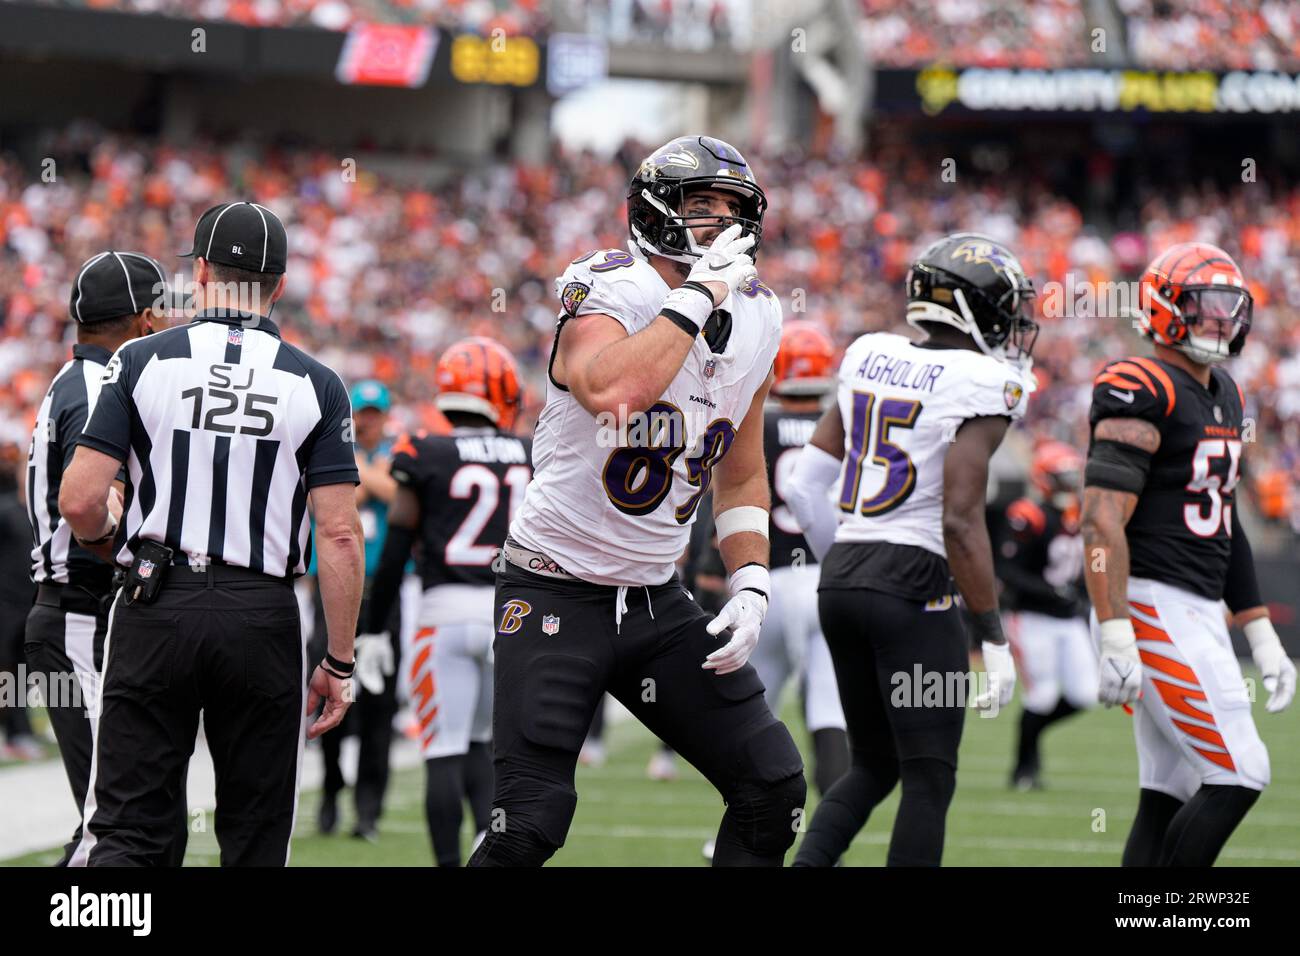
pixel 388 577
pixel 1118 466
pixel 815 471
pixel 1241 590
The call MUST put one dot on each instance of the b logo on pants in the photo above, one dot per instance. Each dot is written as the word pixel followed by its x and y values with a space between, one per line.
pixel 512 616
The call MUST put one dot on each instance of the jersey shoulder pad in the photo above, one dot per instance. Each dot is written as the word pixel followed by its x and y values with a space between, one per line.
pixel 409 459
pixel 1133 387
pixel 1026 519
pixel 994 388
pixel 612 282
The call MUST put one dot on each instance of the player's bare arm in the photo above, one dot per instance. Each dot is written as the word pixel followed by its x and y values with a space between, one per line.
pixel 608 370
pixel 1106 512
pixel 741 502
pixel 85 500
pixel 965 530
pixel 829 433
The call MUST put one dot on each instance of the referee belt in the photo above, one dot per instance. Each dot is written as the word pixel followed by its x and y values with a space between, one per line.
pixel 182 574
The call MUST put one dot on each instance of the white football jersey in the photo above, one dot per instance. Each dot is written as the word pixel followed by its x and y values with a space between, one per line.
pixel 902 405
pixel 613 506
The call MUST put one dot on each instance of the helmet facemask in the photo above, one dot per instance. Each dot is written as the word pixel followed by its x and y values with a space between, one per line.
pixel 663 216
pixel 1217 319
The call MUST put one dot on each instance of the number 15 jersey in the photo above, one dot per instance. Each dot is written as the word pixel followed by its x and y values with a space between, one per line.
pixel 612 505
pixel 901 405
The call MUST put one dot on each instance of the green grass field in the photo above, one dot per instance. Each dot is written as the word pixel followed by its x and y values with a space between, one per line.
pixel 624 819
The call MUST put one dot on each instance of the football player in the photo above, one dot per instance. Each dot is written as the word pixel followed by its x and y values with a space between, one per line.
pixel 791 643
pixel 661 362
pixel 1164 546
pixel 455 496
pixel 906 450
pixel 1039 560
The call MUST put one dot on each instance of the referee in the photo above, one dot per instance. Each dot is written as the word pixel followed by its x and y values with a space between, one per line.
pixel 113 301
pixel 227 433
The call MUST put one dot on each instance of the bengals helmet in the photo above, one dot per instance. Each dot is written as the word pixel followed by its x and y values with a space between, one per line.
pixel 804 360
pixel 1195 299
pixel 479 375
pixel 976 285
pixel 656 197
pixel 1056 470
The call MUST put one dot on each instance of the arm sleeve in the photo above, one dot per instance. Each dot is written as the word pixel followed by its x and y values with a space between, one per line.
pixel 331 459
pixel 815 472
pixel 408 469
pixel 108 429
pixel 1241 591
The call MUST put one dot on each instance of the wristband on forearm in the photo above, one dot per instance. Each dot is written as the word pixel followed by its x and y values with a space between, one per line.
pixel 750 577
pixel 336 668
pixel 688 307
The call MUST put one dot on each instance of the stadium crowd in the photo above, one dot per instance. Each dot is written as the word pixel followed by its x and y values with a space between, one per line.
pixel 1160 34
pixel 383 276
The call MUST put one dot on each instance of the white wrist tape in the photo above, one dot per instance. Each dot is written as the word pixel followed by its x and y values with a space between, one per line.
pixel 691 303
pixel 1260 633
pixel 750 576
pixel 1117 635
pixel 743 518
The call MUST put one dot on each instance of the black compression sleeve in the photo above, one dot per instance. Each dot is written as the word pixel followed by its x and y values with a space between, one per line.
pixel 1241 591
pixel 388 576
pixel 1117 465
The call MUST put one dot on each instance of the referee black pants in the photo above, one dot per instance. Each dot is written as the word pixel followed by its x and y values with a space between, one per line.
pixel 228 645
pixel 64 647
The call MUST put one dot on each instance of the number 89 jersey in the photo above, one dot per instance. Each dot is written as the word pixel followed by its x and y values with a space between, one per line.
pixel 1181 529
pixel 902 404
pixel 613 499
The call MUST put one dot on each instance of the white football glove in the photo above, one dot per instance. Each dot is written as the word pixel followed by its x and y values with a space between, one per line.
pixel 1270 657
pixel 726 264
pixel 1121 667
pixel 374 654
pixel 743 615
pixel 1000 667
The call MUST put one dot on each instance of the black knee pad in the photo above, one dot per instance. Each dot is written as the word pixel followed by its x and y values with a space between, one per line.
pixel 558 688
pixel 528 825
pixel 767 801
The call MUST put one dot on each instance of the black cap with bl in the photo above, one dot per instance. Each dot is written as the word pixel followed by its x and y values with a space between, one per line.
pixel 244 235
pixel 116 284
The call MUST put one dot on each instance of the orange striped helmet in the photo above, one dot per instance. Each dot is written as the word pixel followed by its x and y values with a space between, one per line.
pixel 479 375
pixel 1056 468
pixel 804 360
pixel 1194 298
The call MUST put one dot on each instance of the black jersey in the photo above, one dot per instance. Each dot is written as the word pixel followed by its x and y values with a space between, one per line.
pixel 1038 554
pixel 470 483
pixel 784 433
pixel 1180 532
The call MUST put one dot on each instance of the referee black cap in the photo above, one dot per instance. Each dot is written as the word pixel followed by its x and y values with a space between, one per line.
pixel 115 284
pixel 244 235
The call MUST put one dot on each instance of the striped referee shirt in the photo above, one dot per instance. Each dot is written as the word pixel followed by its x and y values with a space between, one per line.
pixel 224 429
pixel 56 557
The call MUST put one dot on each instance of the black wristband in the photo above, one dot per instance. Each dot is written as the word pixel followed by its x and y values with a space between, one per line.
pixel 988 627
pixel 757 591
pixel 700 288
pixel 681 321
pixel 344 670
pixel 104 538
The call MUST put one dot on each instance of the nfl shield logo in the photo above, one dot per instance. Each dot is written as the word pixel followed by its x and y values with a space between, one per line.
pixel 235 337
pixel 146 568
pixel 550 624
pixel 710 367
